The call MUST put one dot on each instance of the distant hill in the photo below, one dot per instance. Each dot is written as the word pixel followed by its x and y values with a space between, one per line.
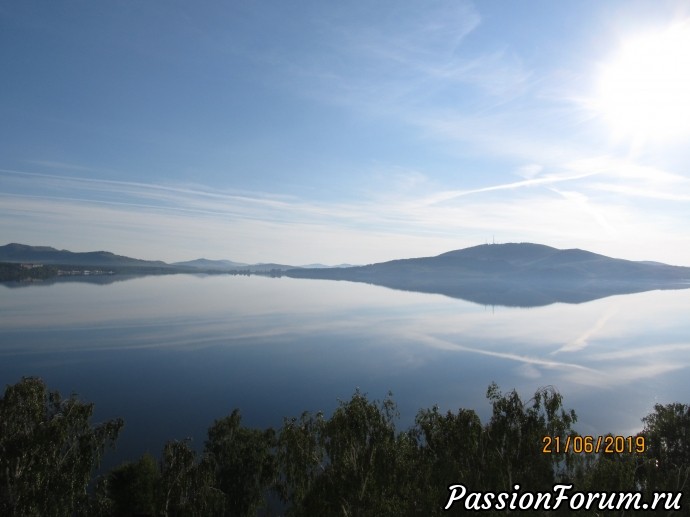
pixel 228 265
pixel 270 266
pixel 22 253
pixel 321 266
pixel 203 263
pixel 47 255
pixel 514 274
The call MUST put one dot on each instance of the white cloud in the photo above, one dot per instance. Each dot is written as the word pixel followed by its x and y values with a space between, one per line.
pixel 530 170
pixel 412 216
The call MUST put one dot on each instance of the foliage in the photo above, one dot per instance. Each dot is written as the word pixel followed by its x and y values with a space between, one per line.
pixel 450 448
pixel 666 465
pixel 241 463
pixel 514 438
pixel 48 451
pixel 132 487
pixel 301 457
pixel 10 272
pixel 359 442
pixel 354 463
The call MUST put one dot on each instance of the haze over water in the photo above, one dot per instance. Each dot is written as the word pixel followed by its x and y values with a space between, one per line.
pixel 172 353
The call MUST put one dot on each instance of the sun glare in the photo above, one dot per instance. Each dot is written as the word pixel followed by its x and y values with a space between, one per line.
pixel 644 90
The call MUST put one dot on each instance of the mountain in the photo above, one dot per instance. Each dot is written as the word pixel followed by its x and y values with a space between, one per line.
pixel 228 265
pixel 321 266
pixel 47 255
pixel 203 263
pixel 264 268
pixel 21 253
pixel 514 274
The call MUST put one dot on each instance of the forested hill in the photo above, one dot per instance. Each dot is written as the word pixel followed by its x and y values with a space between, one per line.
pixel 22 253
pixel 47 255
pixel 510 261
pixel 515 274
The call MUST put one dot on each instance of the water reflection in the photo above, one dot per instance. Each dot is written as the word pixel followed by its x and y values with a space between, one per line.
pixel 170 354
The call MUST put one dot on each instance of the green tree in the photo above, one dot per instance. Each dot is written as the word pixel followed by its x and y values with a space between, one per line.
pixel 451 449
pixel 666 463
pixel 132 487
pixel 186 484
pixel 360 475
pixel 608 472
pixel 301 457
pixel 48 451
pixel 242 464
pixel 514 440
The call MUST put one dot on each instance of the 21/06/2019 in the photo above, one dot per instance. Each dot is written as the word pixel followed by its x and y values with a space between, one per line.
pixel 608 444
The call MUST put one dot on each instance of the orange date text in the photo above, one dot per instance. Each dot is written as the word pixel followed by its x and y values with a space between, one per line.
pixel 608 444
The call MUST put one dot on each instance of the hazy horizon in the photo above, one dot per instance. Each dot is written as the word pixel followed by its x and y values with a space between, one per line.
pixel 313 264
pixel 354 133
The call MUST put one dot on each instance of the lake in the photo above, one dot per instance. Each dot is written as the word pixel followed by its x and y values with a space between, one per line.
pixel 172 353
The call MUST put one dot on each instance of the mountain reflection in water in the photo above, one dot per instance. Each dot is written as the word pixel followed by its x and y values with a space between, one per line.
pixel 172 353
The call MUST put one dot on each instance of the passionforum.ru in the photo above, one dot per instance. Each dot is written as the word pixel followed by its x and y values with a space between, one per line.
pixel 561 495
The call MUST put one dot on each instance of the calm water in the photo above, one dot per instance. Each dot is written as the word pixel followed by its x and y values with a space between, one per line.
pixel 172 353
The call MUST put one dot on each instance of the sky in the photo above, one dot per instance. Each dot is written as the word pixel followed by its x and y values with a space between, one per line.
pixel 345 132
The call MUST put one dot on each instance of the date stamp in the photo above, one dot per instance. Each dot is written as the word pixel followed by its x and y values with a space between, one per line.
pixel 608 444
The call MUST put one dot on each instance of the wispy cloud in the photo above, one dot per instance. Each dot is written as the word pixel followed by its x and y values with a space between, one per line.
pixel 405 58
pixel 583 203
pixel 583 339
pixel 60 165
pixel 520 358
pixel 436 220
pixel 544 180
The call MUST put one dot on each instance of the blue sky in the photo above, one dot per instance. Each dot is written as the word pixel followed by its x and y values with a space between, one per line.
pixel 302 132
